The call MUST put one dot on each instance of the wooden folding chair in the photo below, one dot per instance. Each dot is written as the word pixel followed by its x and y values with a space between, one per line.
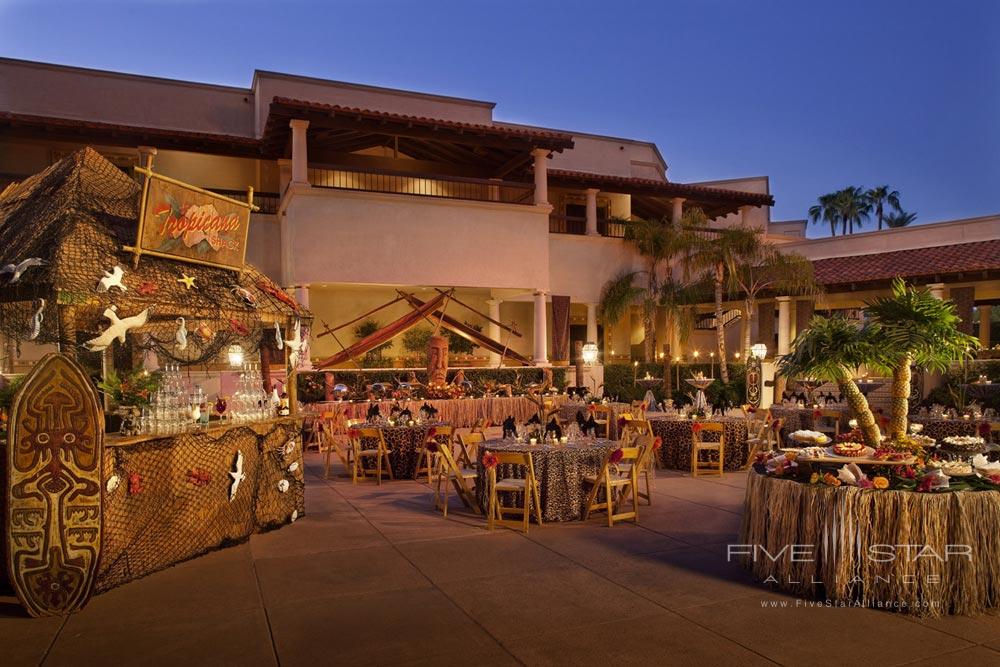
pixel 618 474
pixel 639 409
pixel 828 422
pixel 699 445
pixel 602 417
pixel 380 453
pixel 526 486
pixel 441 439
pixel 450 473
pixel 468 448
pixel 330 444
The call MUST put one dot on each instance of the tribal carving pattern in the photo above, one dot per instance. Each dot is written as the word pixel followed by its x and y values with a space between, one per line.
pixel 753 381
pixel 54 488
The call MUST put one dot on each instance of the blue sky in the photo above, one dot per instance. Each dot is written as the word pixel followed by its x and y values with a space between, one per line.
pixel 816 95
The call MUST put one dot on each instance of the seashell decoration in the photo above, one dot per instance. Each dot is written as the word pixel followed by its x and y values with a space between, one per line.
pixel 293 466
pixel 112 483
pixel 283 485
pixel 295 515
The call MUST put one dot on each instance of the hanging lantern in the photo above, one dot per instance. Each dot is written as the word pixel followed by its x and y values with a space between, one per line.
pixel 758 350
pixel 235 354
pixel 590 353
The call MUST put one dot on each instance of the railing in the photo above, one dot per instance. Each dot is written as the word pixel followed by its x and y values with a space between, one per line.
pixel 429 185
pixel 267 201
pixel 568 224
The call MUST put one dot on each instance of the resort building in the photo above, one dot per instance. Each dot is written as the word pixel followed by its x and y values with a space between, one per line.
pixel 365 191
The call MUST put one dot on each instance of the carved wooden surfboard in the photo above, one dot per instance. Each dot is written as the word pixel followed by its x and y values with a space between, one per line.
pixel 53 488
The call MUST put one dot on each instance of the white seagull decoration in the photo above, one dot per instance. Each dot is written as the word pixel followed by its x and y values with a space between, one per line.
pixel 277 336
pixel 294 344
pixel 112 278
pixel 182 335
pixel 117 329
pixel 36 321
pixel 15 270
pixel 237 475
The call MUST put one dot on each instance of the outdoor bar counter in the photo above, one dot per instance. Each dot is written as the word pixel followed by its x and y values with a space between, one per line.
pixel 168 498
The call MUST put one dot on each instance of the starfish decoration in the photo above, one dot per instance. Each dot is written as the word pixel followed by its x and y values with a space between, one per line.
pixel 237 475
pixel 187 280
pixel 148 288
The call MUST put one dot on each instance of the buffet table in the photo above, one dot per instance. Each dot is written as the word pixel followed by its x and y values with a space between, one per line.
pixel 850 535
pixel 460 412
pixel 798 419
pixel 559 469
pixel 677 436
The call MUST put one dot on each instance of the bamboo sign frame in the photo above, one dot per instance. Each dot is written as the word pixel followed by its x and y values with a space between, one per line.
pixel 220 222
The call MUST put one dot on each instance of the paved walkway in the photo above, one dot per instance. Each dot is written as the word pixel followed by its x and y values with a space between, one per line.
pixel 374 576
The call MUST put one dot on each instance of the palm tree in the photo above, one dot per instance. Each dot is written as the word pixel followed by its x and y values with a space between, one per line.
pixel 914 327
pixel 765 268
pixel 824 211
pixel 720 253
pixel 852 208
pixel 658 241
pixel 678 300
pixel 833 349
pixel 878 197
pixel 899 219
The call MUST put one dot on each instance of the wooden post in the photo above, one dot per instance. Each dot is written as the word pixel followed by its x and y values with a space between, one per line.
pixel 668 389
pixel 67 330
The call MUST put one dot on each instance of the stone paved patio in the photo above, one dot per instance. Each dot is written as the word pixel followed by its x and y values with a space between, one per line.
pixel 374 576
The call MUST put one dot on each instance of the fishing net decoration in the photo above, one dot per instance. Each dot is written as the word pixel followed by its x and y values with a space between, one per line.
pixel 76 216
pixel 171 502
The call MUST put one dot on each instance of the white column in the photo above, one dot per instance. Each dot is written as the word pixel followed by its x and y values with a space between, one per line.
pixel 592 323
pixel 592 212
pixel 784 324
pixel 745 215
pixel 493 330
pixel 678 209
pixel 541 331
pixel 541 176
pixel 300 158
pixel 937 290
pixel 984 326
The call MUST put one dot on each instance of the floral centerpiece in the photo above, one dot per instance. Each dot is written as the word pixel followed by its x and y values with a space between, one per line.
pixel 134 389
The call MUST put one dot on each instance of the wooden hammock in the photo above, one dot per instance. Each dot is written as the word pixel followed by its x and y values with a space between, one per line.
pixel 467 332
pixel 384 334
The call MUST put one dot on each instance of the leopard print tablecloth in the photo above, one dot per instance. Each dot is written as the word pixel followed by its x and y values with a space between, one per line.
pixel 677 440
pixel 405 444
pixel 559 469
pixel 942 428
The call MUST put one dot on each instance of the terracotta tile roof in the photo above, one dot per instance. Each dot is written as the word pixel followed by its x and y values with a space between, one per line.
pixel 546 138
pixel 913 263
pixel 659 188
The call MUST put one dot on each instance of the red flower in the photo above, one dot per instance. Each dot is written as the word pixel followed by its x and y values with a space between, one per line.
pixel 431 432
pixel 817 414
pixel 776 425
pixel 696 427
pixel 907 472
pixel 644 406
pixel 995 479
pixel 490 460
pixel 592 407
pixel 134 483
pixel 622 423
pixel 616 456
pixel 657 443
pixel 353 434
pixel 984 430
pixel 751 409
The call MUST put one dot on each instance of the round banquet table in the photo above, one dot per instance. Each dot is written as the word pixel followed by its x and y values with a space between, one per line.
pixel 797 419
pixel 938 428
pixel 569 410
pixel 405 444
pixel 677 439
pixel 559 468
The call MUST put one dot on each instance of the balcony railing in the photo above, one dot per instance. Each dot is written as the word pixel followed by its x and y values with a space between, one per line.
pixel 567 224
pixel 267 202
pixel 422 185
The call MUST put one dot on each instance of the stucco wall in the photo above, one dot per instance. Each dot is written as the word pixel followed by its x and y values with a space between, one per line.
pixel 339 236
pixel 68 92
pixel 608 155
